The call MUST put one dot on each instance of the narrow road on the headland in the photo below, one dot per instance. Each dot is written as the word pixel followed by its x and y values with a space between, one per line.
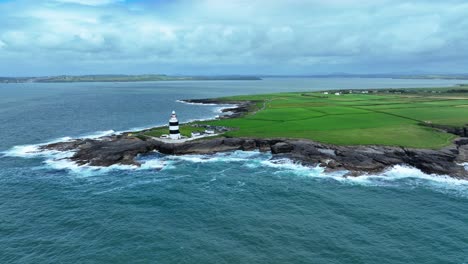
pixel 263 106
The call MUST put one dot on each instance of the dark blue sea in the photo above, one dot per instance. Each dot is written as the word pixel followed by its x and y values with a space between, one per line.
pixel 236 207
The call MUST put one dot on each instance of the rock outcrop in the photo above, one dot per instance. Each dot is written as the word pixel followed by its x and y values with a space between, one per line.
pixel 357 160
pixel 240 108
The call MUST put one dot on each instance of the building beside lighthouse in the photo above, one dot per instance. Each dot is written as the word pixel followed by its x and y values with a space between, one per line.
pixel 174 132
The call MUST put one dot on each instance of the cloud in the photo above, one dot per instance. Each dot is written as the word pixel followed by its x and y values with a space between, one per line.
pixel 89 2
pixel 295 36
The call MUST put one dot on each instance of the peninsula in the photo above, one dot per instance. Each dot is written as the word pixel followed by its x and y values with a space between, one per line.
pixel 360 131
pixel 121 78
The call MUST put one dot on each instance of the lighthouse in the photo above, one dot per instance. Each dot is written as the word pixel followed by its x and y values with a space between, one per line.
pixel 174 132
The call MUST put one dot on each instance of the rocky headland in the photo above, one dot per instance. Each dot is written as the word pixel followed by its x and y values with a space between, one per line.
pixel 357 160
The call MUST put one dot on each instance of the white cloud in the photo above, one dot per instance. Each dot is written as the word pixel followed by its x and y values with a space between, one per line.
pixel 296 34
pixel 89 2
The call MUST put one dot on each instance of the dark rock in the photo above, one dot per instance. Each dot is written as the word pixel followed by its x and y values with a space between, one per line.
pixel 356 159
pixel 242 107
pixel 461 141
pixel 281 147
pixel 248 144
pixel 460 131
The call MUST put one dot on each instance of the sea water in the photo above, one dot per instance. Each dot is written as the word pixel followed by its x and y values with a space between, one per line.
pixel 234 207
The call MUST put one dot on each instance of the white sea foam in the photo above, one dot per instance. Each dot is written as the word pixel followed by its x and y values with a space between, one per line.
pixel 218 109
pixel 201 119
pixel 82 170
pixel 152 164
pixel 286 166
pixel 31 151
pixel 396 175
pixel 465 165
pixel 99 134
pixel 62 162
pixel 34 150
pixel 190 103
pixel 235 156
pixel 405 172
pixel 25 151
pixel 254 160
pixel 210 118
pixel 223 107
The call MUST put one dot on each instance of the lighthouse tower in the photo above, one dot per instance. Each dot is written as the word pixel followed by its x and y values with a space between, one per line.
pixel 174 132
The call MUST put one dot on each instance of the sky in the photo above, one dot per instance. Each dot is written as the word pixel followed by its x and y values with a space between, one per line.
pixel 215 37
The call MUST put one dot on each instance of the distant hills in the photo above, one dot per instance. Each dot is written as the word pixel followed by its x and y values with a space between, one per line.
pixel 119 78
pixel 163 77
pixel 383 75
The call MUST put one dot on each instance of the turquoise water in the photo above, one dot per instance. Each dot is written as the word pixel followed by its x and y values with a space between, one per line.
pixel 237 207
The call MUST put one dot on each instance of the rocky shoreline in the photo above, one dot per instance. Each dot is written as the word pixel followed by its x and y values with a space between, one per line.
pixel 239 108
pixel 357 160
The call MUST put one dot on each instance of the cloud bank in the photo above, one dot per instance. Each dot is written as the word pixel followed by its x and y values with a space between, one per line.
pixel 237 37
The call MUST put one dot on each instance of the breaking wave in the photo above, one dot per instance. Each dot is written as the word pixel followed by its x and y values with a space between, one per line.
pixel 219 109
pixel 394 176
pixel 99 134
pixel 191 103
pixel 234 156
pixel 86 170
pixel 251 160
pixel 34 150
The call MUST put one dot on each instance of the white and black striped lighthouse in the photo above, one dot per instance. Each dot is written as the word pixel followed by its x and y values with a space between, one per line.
pixel 174 132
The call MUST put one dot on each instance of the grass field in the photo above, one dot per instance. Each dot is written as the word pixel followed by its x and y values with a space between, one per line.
pixel 353 119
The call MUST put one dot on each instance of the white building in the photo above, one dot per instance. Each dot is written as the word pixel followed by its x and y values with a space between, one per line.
pixel 174 132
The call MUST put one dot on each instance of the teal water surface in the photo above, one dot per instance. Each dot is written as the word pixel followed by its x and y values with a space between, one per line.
pixel 237 207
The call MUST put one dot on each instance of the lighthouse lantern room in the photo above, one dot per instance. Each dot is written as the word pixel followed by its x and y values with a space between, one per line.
pixel 174 132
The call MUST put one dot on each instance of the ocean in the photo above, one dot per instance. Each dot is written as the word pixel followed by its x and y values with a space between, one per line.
pixel 234 207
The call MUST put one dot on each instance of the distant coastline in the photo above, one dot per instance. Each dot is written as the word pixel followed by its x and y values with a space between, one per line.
pixel 122 78
pixel 379 75
pixel 164 77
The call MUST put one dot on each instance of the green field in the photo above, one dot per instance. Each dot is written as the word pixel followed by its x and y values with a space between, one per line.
pixel 353 119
